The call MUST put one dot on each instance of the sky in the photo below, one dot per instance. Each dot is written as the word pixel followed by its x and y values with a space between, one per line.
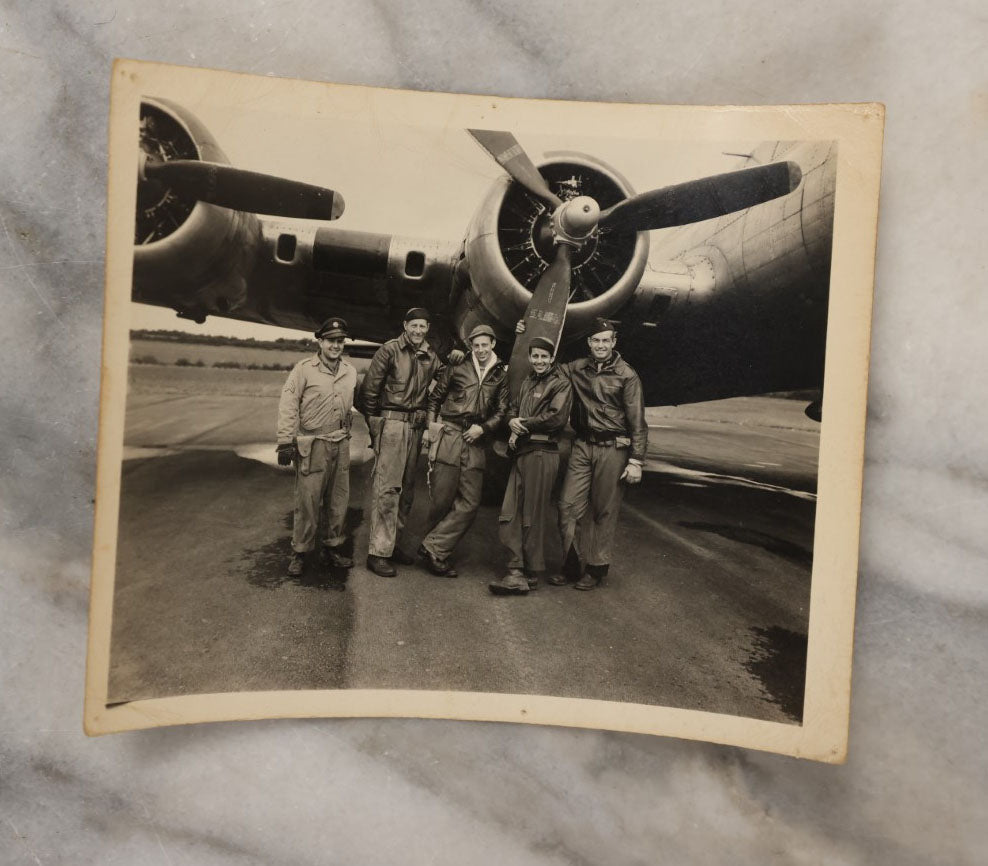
pixel 422 180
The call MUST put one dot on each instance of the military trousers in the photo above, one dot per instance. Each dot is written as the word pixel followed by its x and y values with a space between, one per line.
pixel 322 483
pixel 592 489
pixel 456 478
pixel 392 484
pixel 524 516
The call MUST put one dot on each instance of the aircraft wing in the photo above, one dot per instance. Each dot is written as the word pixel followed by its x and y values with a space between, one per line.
pixel 719 285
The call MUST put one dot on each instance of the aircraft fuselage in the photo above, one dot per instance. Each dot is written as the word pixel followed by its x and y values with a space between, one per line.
pixel 727 307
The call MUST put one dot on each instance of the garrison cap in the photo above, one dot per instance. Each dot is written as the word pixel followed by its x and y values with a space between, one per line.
pixel 481 331
pixel 603 325
pixel 332 327
pixel 542 343
pixel 418 313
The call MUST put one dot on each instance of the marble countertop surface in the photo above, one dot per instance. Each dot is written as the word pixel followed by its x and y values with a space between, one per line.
pixel 369 791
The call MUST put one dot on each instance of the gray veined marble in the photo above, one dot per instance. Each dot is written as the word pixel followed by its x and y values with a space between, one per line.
pixel 369 791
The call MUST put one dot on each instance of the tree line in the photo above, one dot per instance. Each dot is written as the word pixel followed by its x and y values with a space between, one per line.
pixel 296 345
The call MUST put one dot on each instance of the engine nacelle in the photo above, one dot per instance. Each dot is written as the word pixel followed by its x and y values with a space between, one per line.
pixel 192 256
pixel 509 245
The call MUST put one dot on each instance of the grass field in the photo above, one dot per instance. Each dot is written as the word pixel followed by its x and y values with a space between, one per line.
pixel 168 352
pixel 165 377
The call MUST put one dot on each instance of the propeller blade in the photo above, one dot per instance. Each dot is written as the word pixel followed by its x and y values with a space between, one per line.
pixel 508 153
pixel 545 315
pixel 702 199
pixel 238 189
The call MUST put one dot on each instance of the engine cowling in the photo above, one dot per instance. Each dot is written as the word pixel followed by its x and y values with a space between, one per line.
pixel 509 245
pixel 192 256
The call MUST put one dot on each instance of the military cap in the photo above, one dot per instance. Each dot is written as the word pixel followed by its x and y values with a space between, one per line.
pixel 418 313
pixel 542 343
pixel 332 327
pixel 603 325
pixel 481 331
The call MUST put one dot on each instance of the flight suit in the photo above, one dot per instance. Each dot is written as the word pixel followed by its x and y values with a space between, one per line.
pixel 393 398
pixel 609 419
pixel 543 405
pixel 462 397
pixel 314 413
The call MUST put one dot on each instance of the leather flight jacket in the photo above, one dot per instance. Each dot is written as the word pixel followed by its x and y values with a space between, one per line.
pixel 398 378
pixel 461 399
pixel 608 403
pixel 543 406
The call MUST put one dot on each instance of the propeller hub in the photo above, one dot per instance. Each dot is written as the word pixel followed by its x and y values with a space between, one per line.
pixel 575 221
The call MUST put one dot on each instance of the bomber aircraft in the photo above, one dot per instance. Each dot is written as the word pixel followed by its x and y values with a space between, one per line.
pixel 731 301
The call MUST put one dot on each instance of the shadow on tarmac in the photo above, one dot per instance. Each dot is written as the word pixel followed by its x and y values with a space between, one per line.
pixel 779 546
pixel 204 543
pixel 779 663
pixel 268 564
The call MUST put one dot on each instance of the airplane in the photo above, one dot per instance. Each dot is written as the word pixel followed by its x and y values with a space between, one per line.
pixel 731 302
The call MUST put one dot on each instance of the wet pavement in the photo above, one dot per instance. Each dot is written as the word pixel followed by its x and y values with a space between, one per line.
pixel 706 606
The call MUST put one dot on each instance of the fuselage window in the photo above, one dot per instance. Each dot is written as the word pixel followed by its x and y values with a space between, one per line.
pixel 414 264
pixel 285 250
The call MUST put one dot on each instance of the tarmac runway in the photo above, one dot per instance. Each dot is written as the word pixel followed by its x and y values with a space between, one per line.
pixel 706 606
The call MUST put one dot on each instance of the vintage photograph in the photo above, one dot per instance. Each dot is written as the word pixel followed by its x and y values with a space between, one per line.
pixel 420 404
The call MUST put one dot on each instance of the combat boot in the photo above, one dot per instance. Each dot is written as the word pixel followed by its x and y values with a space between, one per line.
pixel 379 565
pixel 439 567
pixel 571 571
pixel 335 558
pixel 513 583
pixel 593 578
pixel 296 564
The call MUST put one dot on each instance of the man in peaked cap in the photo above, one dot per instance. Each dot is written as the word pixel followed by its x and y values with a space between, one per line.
pixel 468 404
pixel 536 419
pixel 393 398
pixel 314 416
pixel 611 440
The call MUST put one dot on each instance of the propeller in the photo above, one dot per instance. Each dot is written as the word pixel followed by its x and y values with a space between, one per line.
pixel 579 219
pixel 702 199
pixel 545 314
pixel 238 189
pixel 510 155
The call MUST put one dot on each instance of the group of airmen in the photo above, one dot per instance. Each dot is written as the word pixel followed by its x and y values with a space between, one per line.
pixel 410 398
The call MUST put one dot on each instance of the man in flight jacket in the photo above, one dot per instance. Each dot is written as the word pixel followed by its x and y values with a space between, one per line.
pixel 470 399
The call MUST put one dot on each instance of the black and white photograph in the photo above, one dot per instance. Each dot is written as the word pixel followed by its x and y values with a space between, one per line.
pixel 443 406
